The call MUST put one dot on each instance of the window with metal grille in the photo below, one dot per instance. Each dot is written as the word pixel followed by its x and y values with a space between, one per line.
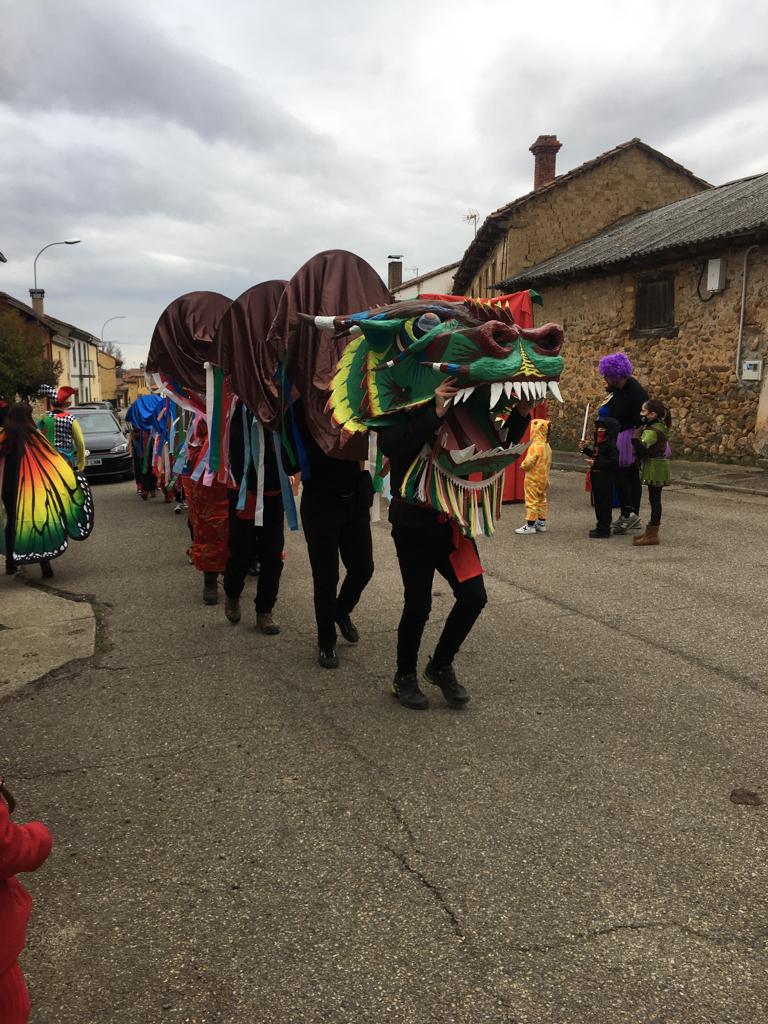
pixel 655 304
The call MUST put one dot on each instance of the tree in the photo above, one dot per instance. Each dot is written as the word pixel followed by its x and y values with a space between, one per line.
pixel 23 363
pixel 111 349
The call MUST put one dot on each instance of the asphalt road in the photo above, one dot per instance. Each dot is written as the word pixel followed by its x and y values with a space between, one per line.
pixel 241 836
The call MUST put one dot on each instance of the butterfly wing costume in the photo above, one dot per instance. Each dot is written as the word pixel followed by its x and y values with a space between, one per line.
pixel 45 502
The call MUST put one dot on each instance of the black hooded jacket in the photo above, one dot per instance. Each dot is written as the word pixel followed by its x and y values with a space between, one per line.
pixel 605 453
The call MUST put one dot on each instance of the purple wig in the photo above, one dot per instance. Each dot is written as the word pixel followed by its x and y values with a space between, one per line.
pixel 615 365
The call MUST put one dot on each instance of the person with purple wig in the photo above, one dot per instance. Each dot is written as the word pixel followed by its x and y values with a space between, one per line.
pixel 626 398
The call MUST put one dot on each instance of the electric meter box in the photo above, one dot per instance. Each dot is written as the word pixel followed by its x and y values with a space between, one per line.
pixel 752 369
pixel 715 275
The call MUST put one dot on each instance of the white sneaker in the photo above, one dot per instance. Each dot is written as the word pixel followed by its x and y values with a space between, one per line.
pixel 526 528
pixel 540 526
pixel 633 522
pixel 620 525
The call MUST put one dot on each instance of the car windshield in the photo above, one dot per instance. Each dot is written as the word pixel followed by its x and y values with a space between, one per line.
pixel 96 422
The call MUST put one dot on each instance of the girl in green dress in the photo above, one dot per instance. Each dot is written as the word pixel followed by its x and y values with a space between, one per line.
pixel 651 443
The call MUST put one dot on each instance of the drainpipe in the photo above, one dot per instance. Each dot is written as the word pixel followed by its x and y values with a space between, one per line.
pixel 743 303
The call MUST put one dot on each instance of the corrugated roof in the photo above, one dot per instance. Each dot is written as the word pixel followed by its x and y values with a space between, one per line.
pixel 735 210
pixel 494 226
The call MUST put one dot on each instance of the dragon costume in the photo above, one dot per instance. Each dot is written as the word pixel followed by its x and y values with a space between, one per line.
pixel 400 353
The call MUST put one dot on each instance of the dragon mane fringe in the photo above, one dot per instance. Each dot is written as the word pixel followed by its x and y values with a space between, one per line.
pixel 474 505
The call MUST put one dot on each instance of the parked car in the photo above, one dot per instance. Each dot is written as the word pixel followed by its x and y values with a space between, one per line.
pixel 105 442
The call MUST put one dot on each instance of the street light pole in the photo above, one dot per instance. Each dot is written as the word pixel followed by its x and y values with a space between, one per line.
pixel 67 241
pixel 120 317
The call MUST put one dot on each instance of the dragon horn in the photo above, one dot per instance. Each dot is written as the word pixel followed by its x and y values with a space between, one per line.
pixel 325 323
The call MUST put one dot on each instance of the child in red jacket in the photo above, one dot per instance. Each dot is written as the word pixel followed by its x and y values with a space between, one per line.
pixel 22 848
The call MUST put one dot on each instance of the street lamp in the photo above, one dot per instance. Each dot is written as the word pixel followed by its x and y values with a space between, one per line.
pixel 67 241
pixel 120 317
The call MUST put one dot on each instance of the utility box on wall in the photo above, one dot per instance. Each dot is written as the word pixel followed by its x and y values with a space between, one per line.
pixel 752 369
pixel 715 275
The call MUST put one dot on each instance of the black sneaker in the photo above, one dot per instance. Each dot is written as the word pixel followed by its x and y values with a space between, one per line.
pixel 347 628
pixel 405 687
pixel 327 657
pixel 600 534
pixel 445 678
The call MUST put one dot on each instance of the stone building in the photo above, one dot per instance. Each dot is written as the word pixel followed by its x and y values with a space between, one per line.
pixel 564 210
pixel 683 290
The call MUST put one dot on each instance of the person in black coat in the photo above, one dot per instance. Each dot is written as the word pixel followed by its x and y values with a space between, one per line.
pixel 603 458
pixel 336 499
pixel 425 542
pixel 626 398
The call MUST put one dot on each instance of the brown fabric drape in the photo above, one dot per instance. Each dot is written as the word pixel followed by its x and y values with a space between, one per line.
pixel 240 348
pixel 332 283
pixel 182 338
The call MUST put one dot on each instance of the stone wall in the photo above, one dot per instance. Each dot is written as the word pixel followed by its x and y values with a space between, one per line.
pixel 694 373
pixel 619 187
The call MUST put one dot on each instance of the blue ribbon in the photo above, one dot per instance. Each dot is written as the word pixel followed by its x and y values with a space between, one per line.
pixel 289 504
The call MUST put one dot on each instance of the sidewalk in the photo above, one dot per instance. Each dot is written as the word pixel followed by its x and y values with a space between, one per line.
pixel 714 476
pixel 39 631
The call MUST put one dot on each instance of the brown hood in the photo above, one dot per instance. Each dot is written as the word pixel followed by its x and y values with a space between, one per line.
pixel 331 283
pixel 240 348
pixel 182 339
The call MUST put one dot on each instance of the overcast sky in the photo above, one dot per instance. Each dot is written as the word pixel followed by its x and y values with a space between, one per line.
pixel 197 145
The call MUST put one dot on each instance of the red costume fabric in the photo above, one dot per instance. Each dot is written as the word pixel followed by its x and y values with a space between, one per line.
pixel 22 848
pixel 209 519
pixel 208 512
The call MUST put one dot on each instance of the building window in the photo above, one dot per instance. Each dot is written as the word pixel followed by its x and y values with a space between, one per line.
pixel 655 306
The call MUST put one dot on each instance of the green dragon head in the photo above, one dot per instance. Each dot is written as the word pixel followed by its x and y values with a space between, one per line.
pixel 403 352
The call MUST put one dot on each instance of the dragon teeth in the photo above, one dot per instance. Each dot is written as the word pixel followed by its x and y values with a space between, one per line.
pixel 518 389
pixel 542 390
pixel 496 393
pixel 554 387
pixel 508 389
pixel 526 390
pixel 464 454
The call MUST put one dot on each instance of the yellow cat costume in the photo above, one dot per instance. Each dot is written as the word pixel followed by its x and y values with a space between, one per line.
pixel 536 465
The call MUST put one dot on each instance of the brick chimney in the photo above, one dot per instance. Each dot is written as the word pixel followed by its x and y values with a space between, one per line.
pixel 38 296
pixel 394 272
pixel 545 149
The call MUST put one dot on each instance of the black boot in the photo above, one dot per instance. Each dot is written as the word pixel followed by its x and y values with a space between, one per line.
pixel 347 628
pixel 445 678
pixel 45 569
pixel 210 588
pixel 405 686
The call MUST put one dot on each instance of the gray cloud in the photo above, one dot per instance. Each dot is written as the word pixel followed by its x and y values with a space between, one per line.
pixel 103 60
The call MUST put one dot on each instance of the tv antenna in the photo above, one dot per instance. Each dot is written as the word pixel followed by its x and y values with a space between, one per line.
pixel 471 218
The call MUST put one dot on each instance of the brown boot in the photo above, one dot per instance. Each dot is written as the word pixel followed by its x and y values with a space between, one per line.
pixel 651 536
pixel 266 624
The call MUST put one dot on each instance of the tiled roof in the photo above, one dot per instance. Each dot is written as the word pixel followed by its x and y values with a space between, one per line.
pixel 736 210
pixel 424 277
pixel 495 225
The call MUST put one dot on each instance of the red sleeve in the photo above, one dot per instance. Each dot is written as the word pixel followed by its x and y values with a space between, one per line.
pixel 22 847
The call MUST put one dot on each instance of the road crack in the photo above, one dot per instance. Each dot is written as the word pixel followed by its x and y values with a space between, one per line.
pixel 434 890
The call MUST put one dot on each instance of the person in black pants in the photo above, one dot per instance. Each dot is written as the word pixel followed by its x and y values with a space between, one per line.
pixel 425 542
pixel 603 466
pixel 336 501
pixel 248 542
pixel 627 395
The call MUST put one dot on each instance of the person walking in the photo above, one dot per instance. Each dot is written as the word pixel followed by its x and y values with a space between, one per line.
pixel 336 500
pixel 61 428
pixel 426 542
pixel 249 543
